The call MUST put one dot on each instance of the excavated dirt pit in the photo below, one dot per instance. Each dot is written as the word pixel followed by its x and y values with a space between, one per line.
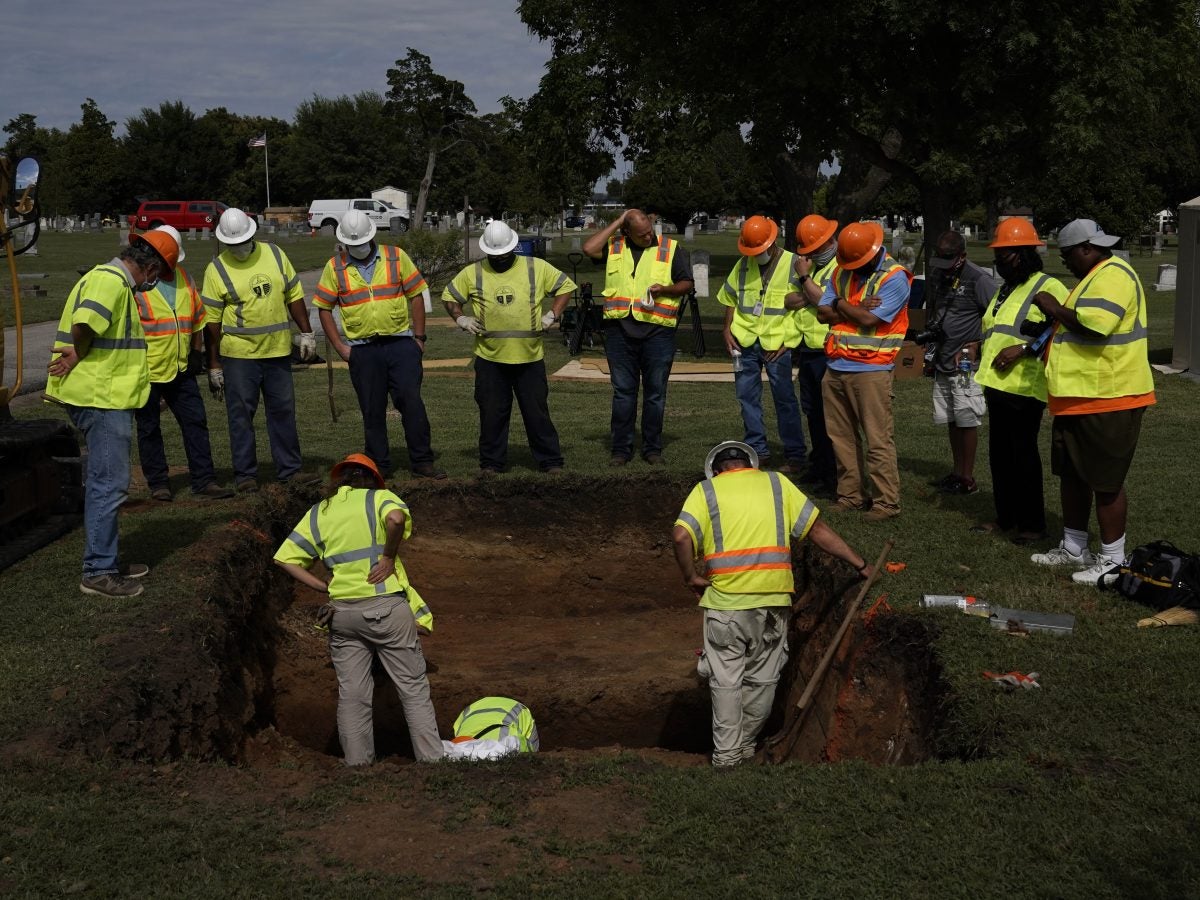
pixel 569 600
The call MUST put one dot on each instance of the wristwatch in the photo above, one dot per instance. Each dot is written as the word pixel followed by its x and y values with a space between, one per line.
pixel 803 278
pixel 420 337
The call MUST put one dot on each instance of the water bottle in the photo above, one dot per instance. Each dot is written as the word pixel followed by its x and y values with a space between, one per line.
pixel 737 361
pixel 964 370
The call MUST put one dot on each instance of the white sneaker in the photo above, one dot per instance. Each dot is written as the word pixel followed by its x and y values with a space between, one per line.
pixel 1097 570
pixel 1061 556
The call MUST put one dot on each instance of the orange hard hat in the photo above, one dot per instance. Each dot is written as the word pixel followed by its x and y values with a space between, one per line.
pixel 758 233
pixel 858 244
pixel 1016 232
pixel 812 231
pixel 357 459
pixel 164 245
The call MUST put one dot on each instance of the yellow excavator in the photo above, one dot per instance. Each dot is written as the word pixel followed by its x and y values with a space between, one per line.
pixel 41 470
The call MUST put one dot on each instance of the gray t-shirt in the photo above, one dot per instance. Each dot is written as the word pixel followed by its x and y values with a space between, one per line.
pixel 959 305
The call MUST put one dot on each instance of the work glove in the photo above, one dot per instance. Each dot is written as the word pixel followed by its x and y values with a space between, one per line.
pixel 549 319
pixel 195 363
pixel 308 346
pixel 324 617
pixel 469 324
pixel 647 302
pixel 216 383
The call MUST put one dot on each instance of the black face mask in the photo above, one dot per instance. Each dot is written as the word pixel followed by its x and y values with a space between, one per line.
pixel 503 262
pixel 1007 269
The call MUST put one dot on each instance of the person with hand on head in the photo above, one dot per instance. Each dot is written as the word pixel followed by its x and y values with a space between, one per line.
pixel 173 319
pixel 509 318
pixel 760 332
pixel 646 278
pixel 374 611
pixel 1098 384
pixel 99 372
pixel 1013 378
pixel 380 295
pixel 739 524
pixel 249 291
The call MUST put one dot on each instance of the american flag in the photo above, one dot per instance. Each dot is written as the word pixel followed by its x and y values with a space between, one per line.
pixel 260 141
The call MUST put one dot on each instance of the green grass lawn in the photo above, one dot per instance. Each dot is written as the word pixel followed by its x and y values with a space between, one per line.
pixel 1085 788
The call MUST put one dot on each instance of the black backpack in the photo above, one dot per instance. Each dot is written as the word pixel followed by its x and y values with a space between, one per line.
pixel 1159 575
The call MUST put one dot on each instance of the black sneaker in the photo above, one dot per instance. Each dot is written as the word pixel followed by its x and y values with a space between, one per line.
pixel 115 587
pixel 960 486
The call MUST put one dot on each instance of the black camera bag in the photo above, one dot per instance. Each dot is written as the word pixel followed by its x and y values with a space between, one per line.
pixel 1159 575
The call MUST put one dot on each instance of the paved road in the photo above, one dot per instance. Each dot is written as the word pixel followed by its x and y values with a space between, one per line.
pixel 39 338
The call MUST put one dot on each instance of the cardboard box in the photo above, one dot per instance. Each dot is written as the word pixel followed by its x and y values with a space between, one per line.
pixel 916 320
pixel 910 361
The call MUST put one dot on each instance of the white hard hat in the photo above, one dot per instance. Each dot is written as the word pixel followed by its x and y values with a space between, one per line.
pixel 729 450
pixel 497 238
pixel 355 228
pixel 170 229
pixel 235 227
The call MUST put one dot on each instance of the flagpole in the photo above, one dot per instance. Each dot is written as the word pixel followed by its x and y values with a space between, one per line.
pixel 267 165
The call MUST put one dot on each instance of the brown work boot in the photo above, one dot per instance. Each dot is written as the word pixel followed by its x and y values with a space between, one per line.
pixel 115 587
pixel 654 459
pixel 213 491
pixel 247 486
pixel 162 494
pixel 428 470
pixel 618 461
pixel 880 513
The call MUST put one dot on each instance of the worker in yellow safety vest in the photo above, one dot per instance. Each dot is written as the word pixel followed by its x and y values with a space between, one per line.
pixel 173 320
pixel 373 610
pixel 98 371
pixel 381 297
pixel 1014 380
pixel 760 332
pixel 495 719
pixel 645 280
pixel 1098 384
pixel 507 296
pixel 739 524
pixel 866 304
pixel 249 291
pixel 815 260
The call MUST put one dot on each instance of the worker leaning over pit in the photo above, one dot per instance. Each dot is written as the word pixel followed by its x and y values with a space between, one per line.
pixel 740 523
pixel 373 610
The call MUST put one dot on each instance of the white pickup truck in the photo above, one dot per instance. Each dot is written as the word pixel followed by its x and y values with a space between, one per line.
pixel 323 213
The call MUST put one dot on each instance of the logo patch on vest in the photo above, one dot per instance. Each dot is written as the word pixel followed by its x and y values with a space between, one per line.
pixel 261 285
pixel 505 298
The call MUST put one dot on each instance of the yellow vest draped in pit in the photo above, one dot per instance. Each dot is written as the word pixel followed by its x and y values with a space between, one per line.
pixel 493 718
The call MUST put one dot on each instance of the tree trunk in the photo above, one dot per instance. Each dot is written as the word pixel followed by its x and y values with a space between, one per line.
pixel 937 207
pixel 418 219
pixel 861 180
pixel 796 180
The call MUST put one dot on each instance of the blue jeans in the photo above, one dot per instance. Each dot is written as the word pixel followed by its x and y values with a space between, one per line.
pixel 747 384
pixel 383 367
pixel 244 379
pixel 810 372
pixel 109 435
pixel 183 399
pixel 630 361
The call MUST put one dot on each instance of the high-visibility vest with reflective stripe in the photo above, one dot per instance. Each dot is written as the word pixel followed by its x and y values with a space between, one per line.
pixel 169 330
pixel 508 306
pixel 1026 377
pixel 377 309
pixel 250 299
pixel 874 346
pixel 347 533
pixel 759 314
pixel 493 718
pixel 1116 365
pixel 625 285
pixel 113 374
pixel 813 331
pixel 745 533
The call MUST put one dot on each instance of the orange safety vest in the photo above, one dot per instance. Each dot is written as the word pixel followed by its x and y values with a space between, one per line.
pixel 169 331
pixel 624 286
pixel 876 346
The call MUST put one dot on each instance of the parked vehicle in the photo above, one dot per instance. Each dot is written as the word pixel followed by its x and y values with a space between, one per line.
pixel 574 222
pixel 327 213
pixel 181 214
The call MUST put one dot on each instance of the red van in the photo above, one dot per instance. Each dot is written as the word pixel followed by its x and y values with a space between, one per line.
pixel 182 214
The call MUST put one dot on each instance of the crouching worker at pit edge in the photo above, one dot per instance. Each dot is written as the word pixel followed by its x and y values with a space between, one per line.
pixel 356 532
pixel 742 520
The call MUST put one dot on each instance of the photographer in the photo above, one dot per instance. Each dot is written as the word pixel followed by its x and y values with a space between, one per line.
pixel 1014 380
pixel 959 292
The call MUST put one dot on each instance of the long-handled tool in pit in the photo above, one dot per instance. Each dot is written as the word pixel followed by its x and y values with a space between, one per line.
pixel 329 370
pixel 818 676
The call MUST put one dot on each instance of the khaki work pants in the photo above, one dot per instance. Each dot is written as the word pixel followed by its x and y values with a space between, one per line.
pixel 745 650
pixel 383 626
pixel 858 417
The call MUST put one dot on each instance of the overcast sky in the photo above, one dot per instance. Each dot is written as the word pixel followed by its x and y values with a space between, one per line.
pixel 255 57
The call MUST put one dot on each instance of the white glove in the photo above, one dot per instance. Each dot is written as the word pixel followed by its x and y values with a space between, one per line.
pixel 216 382
pixel 308 346
pixel 469 323
pixel 549 319
pixel 647 301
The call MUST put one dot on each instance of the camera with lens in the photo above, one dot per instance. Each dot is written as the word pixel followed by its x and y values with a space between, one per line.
pixel 931 338
pixel 1033 329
